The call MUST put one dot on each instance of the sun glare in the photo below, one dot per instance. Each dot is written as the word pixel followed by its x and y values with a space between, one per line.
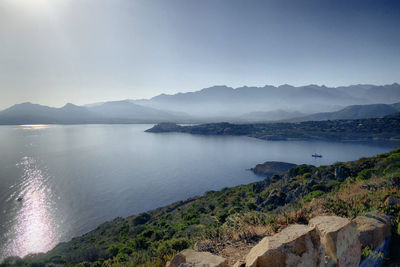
pixel 34 126
pixel 36 7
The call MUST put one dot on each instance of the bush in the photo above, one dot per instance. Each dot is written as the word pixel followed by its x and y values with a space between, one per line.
pixel 365 174
pixel 140 242
pixel 313 194
pixel 172 246
pixel 251 205
pixel 316 187
pixel 141 219
pixel 333 185
pixel 299 170
pixel 222 216
pixel 114 249
pixel 235 209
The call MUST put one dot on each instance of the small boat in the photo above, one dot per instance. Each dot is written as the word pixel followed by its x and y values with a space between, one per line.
pixel 20 199
pixel 315 155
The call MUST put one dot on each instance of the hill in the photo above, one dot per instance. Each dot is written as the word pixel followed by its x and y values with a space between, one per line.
pixel 108 112
pixel 225 221
pixel 28 113
pixel 387 128
pixel 226 101
pixel 354 112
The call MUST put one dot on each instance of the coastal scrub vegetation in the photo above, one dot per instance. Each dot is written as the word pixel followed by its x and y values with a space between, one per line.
pixel 242 213
pixel 386 128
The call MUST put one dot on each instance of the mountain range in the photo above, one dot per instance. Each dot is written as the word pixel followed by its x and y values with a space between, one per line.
pixel 222 103
pixel 227 101
pixel 108 112
pixel 352 112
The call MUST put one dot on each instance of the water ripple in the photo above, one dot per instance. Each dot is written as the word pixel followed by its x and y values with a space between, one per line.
pixel 33 228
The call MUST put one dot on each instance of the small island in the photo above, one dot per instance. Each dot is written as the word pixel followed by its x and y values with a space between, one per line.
pixel 270 168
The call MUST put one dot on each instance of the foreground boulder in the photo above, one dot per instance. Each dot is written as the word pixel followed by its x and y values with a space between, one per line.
pixel 296 245
pixel 374 229
pixel 191 258
pixel 339 238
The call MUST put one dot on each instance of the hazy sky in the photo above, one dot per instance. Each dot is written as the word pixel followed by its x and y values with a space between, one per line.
pixel 83 51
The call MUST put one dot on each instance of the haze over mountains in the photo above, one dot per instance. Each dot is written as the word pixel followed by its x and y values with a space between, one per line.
pixel 222 103
pixel 108 112
pixel 227 101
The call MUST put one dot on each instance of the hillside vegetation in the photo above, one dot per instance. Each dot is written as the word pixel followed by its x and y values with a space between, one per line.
pixel 387 128
pixel 239 215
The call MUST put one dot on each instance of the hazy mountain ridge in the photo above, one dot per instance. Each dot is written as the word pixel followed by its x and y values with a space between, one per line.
pixel 108 112
pixel 353 112
pixel 222 103
pixel 220 100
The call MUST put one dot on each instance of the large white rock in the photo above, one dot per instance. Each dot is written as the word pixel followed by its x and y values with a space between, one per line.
pixel 192 258
pixel 296 245
pixel 374 228
pixel 339 238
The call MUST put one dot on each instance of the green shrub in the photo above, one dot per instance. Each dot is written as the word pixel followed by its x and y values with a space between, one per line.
pixel 251 205
pixel 365 174
pixel 222 216
pixel 234 210
pixel 313 194
pixel 333 185
pixel 172 246
pixel 140 242
pixel 299 170
pixel 316 187
pixel 141 219
pixel 121 257
pixel 114 249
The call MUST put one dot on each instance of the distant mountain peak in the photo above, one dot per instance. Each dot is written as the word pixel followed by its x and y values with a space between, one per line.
pixel 217 88
pixel 69 105
pixel 285 86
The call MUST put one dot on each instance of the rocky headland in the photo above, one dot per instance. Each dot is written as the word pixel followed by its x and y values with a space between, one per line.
pixel 387 128
pixel 269 168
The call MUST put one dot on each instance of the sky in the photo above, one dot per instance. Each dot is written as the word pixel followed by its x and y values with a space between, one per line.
pixel 84 51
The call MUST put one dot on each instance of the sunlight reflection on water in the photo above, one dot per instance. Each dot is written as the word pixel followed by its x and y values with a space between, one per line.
pixel 34 228
pixel 34 126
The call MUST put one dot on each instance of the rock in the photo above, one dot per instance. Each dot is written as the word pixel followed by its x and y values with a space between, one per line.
pixel 239 263
pixel 392 201
pixel 296 245
pixel 204 246
pixel 339 238
pixel 270 168
pixel 164 127
pixel 191 258
pixel 374 228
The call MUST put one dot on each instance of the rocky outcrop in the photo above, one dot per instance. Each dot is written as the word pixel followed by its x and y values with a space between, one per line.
pixel 326 241
pixel 374 228
pixel 164 127
pixel 270 168
pixel 296 245
pixel 191 258
pixel 339 239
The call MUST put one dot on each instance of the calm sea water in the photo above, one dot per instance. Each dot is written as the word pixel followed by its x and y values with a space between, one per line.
pixel 73 178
